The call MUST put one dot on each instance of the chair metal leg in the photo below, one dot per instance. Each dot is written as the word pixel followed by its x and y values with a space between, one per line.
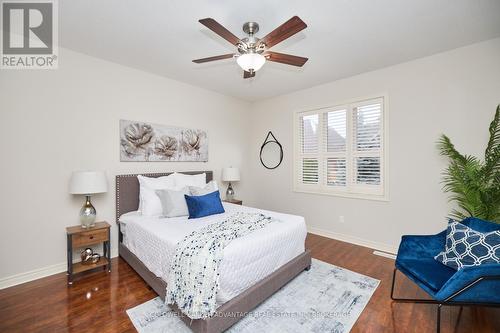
pixel 393 282
pixel 447 301
pixel 411 300
pixel 438 328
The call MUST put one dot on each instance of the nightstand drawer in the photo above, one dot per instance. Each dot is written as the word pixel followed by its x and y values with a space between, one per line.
pixel 90 237
pixel 234 201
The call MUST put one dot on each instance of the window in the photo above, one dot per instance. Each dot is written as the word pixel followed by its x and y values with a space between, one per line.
pixel 340 150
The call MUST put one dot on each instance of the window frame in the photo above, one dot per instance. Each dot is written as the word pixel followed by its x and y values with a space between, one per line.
pixel 351 190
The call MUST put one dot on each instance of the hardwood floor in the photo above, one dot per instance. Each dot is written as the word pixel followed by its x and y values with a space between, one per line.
pixel 97 303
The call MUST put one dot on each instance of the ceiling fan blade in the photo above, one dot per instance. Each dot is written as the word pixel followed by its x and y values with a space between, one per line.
pixel 219 57
pixel 216 27
pixel 285 58
pixel 247 75
pixel 284 31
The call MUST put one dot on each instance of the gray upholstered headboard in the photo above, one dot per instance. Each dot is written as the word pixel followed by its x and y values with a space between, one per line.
pixel 127 189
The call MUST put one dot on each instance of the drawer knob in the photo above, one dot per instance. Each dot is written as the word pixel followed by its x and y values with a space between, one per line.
pixel 91 237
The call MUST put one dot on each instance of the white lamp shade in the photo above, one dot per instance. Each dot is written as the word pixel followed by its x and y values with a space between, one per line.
pixel 251 61
pixel 88 182
pixel 230 174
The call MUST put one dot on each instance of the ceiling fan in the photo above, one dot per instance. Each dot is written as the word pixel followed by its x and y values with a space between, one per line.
pixel 252 51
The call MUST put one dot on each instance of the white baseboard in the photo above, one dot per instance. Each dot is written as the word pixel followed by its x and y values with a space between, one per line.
pixel 390 249
pixel 14 280
pixel 35 274
pixel 385 254
pixel 39 273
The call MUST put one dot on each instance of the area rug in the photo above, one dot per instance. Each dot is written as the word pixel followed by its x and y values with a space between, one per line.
pixel 326 298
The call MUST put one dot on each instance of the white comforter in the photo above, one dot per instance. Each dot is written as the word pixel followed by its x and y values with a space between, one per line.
pixel 246 260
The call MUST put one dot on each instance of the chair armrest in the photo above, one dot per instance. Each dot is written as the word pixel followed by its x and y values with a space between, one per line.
pixel 421 246
pixel 487 273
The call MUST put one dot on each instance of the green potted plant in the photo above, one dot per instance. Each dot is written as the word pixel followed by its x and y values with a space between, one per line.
pixel 474 184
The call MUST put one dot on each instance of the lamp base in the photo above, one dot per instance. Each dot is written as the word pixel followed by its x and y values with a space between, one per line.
pixel 229 192
pixel 87 214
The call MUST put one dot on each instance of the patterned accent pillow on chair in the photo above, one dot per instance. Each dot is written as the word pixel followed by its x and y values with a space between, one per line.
pixel 467 247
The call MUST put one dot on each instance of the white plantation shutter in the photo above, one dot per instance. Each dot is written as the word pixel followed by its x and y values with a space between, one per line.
pixel 310 171
pixel 367 134
pixel 336 171
pixel 336 130
pixel 309 149
pixel 309 128
pixel 335 147
pixel 367 170
pixel 340 150
pixel 367 126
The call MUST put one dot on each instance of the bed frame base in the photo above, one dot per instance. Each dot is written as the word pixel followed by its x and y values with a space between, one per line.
pixel 233 310
pixel 127 200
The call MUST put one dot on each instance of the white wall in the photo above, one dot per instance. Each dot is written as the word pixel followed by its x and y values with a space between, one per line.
pixel 53 122
pixel 454 93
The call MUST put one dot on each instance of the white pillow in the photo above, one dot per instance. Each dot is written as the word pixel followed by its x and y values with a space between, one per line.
pixel 130 216
pixel 209 188
pixel 149 203
pixel 173 202
pixel 182 180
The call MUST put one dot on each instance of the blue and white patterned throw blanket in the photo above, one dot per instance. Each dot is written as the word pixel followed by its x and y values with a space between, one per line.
pixel 194 273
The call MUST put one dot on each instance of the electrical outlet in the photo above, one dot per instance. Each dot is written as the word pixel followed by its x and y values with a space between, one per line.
pixel 341 219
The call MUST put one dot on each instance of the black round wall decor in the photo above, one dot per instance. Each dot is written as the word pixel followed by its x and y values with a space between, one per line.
pixel 271 152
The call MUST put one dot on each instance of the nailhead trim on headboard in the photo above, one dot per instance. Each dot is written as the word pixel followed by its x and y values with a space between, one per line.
pixel 121 178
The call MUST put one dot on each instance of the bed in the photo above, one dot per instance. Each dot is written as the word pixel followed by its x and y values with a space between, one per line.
pixel 254 266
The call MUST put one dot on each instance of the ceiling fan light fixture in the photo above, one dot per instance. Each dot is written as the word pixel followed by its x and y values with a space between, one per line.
pixel 251 62
pixel 250 49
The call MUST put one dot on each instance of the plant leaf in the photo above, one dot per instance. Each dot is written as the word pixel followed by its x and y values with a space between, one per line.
pixel 474 185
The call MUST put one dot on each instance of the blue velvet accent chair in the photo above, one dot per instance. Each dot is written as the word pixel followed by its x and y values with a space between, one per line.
pixel 476 285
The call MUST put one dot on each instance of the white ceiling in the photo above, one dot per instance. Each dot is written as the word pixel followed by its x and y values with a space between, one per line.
pixel 343 37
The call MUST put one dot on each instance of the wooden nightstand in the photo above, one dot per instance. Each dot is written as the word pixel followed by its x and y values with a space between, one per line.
pixel 234 201
pixel 78 237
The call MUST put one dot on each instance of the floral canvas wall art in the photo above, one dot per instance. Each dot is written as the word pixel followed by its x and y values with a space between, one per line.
pixel 146 142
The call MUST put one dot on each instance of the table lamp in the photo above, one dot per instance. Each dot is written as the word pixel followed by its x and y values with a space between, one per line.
pixel 87 183
pixel 230 175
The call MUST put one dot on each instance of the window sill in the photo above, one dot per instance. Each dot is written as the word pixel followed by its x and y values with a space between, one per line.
pixel 372 197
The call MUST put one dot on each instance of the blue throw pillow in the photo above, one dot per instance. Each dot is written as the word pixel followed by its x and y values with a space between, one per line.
pixel 468 247
pixel 204 205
